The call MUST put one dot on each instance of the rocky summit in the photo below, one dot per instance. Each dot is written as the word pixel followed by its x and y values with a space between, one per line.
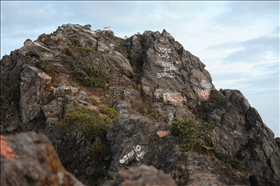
pixel 140 110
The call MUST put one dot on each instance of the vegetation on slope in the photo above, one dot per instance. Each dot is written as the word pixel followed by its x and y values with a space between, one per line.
pixel 85 71
pixel 197 138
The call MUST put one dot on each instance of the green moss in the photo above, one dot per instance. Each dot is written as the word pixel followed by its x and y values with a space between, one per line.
pixel 94 101
pixel 88 121
pixel 46 65
pixel 111 112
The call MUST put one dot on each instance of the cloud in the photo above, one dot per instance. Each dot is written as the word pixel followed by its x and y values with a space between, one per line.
pixel 268 68
pixel 275 31
pixel 255 50
pixel 268 108
pixel 125 18
pixel 237 14
pixel 250 51
pixel 222 46
pixel 265 77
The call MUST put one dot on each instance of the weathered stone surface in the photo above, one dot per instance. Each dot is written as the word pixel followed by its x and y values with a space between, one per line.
pixel 36 163
pixel 142 175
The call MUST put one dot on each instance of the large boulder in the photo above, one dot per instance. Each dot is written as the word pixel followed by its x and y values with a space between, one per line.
pixel 30 159
pixel 142 175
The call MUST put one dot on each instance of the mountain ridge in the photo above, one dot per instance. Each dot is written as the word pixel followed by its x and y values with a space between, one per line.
pixel 139 84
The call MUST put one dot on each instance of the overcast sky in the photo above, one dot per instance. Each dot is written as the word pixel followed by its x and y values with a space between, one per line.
pixel 237 41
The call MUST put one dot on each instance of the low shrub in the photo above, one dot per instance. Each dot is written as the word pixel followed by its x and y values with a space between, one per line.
pixel 230 159
pixel 84 71
pixel 88 121
pixel 185 132
pixel 216 95
pixel 192 137
pixel 46 65
pixel 198 139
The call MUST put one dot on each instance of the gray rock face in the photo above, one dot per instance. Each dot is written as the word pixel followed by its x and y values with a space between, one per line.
pixel 149 79
pixel 168 70
pixel 33 80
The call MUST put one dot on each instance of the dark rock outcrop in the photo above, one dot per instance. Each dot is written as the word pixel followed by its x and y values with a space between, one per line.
pixel 149 79
pixel 239 130
pixel 36 163
pixel 135 141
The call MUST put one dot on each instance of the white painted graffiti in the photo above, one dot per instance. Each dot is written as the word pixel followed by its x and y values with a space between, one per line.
pixel 169 67
pixel 164 52
pixel 138 152
pixel 165 74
